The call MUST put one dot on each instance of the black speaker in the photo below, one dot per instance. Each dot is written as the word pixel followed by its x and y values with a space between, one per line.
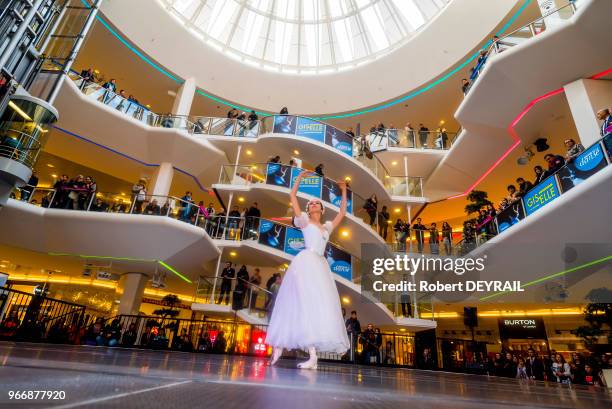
pixel 470 317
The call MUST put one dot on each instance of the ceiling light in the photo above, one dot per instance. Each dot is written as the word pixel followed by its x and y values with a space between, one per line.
pixel 397 210
pixel 387 177
pixel 249 152
pixel 344 233
pixel 54 176
pixel 346 300
pixel 403 329
pixel 19 111
pixel 394 163
pixel 296 152
pixel 241 199
pixel 122 194
pixel 442 122
pixel 347 179
pixel 233 253
pixel 50 165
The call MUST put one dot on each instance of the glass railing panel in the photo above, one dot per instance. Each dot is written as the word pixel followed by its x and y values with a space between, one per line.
pixel 404 186
pixel 406 138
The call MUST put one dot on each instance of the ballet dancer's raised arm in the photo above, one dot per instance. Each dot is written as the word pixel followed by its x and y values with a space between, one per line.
pixel 297 212
pixel 338 219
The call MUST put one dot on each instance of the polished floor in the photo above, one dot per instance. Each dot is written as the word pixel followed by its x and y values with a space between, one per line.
pixel 98 377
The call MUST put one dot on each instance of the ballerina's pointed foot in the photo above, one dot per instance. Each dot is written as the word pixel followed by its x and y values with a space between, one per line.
pixel 276 356
pixel 312 360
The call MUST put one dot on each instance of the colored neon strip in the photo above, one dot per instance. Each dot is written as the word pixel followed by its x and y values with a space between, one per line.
pixel 140 162
pixel 346 115
pixel 551 276
pixel 161 263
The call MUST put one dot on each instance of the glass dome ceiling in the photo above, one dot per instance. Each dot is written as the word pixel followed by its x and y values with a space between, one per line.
pixel 305 36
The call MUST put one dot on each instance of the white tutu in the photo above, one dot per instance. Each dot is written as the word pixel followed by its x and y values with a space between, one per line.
pixel 307 311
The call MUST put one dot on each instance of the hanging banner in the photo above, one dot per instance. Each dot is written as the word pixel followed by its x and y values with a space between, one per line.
pixel 310 128
pixel 510 216
pixel 339 140
pixel 311 185
pixel 339 261
pixel 377 141
pixel 332 194
pixel 285 124
pixel 294 241
pixel 582 167
pixel 272 234
pixel 541 195
pixel 278 175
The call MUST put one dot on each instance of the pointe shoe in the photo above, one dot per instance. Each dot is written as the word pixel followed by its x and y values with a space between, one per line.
pixel 278 352
pixel 312 360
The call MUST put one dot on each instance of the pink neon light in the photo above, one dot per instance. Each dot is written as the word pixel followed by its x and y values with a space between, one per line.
pixel 601 74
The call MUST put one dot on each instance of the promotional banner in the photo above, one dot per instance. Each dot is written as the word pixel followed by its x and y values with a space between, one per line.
pixel 278 175
pixel 339 140
pixel 294 241
pixel 310 185
pixel 285 124
pixel 525 328
pixel 541 195
pixel 377 142
pixel 583 166
pixel 339 261
pixel 510 216
pixel 608 144
pixel 332 194
pixel 310 128
pixel 272 234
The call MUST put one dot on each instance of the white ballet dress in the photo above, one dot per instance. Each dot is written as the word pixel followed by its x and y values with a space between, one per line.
pixel 307 312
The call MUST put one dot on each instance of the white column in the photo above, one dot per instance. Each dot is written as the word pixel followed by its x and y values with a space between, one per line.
pixel 133 288
pixel 585 97
pixel 162 181
pixel 184 98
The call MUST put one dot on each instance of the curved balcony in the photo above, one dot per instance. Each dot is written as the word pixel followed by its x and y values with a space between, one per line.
pixel 162 228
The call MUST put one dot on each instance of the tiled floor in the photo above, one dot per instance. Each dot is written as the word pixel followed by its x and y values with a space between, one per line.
pixel 94 377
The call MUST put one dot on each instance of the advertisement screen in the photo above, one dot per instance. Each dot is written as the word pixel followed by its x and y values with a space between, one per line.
pixel 310 129
pixel 582 167
pixel 510 216
pixel 541 195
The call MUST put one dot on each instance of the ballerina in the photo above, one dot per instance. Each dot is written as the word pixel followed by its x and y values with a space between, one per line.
pixel 307 313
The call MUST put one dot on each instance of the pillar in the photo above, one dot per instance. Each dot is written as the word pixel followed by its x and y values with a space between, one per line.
pixel 162 181
pixel 585 97
pixel 133 288
pixel 184 98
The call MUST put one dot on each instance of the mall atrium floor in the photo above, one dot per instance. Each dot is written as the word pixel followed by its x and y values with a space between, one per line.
pixel 100 377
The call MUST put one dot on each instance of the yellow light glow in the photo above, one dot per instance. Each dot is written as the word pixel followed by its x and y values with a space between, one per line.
pixel 397 210
pixel 122 194
pixel 50 165
pixel 233 253
pixel 241 199
pixel 346 300
pixel 387 176
pixel 394 163
pixel 442 122
pixel 19 111
pixel 2 265
pixel 249 152
pixel 296 152
pixel 344 233
pixel 54 176
pixel 403 329
pixel 347 179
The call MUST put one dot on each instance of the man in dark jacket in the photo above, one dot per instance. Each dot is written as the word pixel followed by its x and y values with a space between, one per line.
pixel 252 221
pixel 534 366
pixel 227 275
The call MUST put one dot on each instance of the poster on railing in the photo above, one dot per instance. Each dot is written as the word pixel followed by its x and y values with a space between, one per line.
pixel 285 124
pixel 294 241
pixel 582 167
pixel 339 261
pixel 510 216
pixel 339 140
pixel 541 195
pixel 311 185
pixel 332 194
pixel 377 142
pixel 310 128
pixel 278 174
pixel 607 141
pixel 272 234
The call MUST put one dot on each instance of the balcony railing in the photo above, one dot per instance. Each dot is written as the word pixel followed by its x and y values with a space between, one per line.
pixel 381 140
pixel 19 146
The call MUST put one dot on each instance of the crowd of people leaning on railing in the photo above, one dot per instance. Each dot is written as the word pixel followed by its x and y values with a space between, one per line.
pixel 408 136
pixel 89 76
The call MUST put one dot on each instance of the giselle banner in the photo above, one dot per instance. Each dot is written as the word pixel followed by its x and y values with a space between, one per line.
pixel 315 130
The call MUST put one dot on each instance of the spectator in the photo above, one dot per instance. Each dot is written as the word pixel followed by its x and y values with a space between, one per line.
pixel 561 369
pixel 410 135
pixel 61 192
pixel 591 377
pixel 434 239
pixel 233 223
pixel 274 291
pixel 274 159
pixel 383 222
pixel 255 282
pixel 166 209
pixel 205 343
pixel 540 174
pixel 524 186
pixel 405 301
pixel 389 354
pixel 573 149
pixel 139 195
pixel 423 134
pixel 152 208
pixel 88 76
pixel 186 205
pixel 252 221
pixel 371 208
pixel 242 285
pixel 76 186
pixel 512 194
pixel 465 86
pixel 392 134
pixel 419 232
pixel 284 111
pixel 26 191
pixel 534 366
pixel 400 236
pixel 220 343
pixel 606 124
pixel 555 162
pixel 110 85
pixel 129 336
pixel 521 371
pixel 99 206
pixel 426 361
pixel 442 139
pixel 368 345
pixel 91 188
pixel 509 367
pixel 227 275
pixel 350 132
pixel 447 238
pixel 319 169
pixel 353 328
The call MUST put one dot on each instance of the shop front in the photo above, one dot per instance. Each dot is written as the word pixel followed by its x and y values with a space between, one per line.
pixel 521 334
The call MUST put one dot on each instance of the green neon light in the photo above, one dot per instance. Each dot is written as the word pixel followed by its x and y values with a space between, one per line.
pixel 162 263
pixel 338 116
pixel 551 276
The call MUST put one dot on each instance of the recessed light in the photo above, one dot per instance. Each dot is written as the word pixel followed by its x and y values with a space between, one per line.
pixel 394 163
pixel 346 300
pixel 249 152
pixel 50 165
pixel 397 210
pixel 54 176
pixel 347 179
pixel 296 152
pixel 241 199
pixel 233 253
pixel 344 233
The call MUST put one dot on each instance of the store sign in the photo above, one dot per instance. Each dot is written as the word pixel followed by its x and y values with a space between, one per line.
pixel 104 275
pixel 521 328
pixel 582 167
pixel 541 195
pixel 510 216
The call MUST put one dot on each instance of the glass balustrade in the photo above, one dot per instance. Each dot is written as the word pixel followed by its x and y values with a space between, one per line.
pixel 237 292
pixel 381 140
